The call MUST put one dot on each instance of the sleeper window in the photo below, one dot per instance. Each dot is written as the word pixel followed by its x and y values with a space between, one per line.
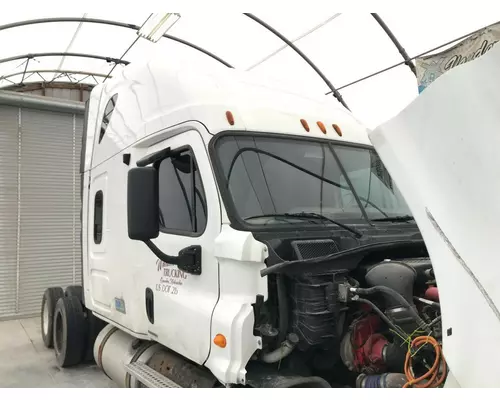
pixel 108 112
pixel 182 198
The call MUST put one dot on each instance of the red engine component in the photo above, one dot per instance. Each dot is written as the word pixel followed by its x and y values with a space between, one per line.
pixel 362 348
pixel 432 293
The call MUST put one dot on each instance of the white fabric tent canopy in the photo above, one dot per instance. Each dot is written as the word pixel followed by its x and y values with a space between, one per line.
pixel 346 48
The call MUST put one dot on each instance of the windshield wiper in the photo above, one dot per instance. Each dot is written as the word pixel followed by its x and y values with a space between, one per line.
pixel 401 218
pixel 310 216
pixel 321 216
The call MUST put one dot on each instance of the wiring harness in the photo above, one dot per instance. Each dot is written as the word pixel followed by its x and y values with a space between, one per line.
pixel 436 374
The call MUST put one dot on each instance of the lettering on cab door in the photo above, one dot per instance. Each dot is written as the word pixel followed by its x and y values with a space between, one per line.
pixel 171 278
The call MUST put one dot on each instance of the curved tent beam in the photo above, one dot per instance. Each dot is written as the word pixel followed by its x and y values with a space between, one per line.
pixel 335 92
pixel 413 58
pixel 50 71
pixel 30 56
pixel 112 23
pixel 400 48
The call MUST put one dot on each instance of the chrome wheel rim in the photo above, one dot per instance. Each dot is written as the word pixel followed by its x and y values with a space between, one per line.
pixel 45 317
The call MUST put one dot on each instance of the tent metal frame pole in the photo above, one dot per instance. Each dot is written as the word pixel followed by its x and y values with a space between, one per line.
pixel 413 58
pixel 335 92
pixel 112 23
pixel 31 56
pixel 49 71
pixel 398 45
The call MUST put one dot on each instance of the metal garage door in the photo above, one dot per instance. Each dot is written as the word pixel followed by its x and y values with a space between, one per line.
pixel 39 203
pixel 9 143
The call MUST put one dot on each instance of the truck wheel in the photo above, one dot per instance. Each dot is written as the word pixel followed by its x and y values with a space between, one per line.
pixel 49 300
pixel 95 326
pixel 70 331
pixel 74 290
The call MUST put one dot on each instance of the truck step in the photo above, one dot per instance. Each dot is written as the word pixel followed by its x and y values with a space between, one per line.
pixel 149 377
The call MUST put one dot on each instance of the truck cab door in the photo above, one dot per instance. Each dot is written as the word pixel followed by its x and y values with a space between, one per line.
pixel 179 304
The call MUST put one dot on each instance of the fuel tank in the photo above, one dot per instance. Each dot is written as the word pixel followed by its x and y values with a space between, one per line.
pixel 114 349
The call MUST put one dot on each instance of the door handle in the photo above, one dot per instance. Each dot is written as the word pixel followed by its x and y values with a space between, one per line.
pixel 150 306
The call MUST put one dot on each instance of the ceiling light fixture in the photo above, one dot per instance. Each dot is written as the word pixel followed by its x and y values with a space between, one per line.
pixel 157 25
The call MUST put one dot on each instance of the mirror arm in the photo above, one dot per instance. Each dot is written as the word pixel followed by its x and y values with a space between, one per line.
pixel 160 254
pixel 188 260
pixel 158 156
pixel 151 158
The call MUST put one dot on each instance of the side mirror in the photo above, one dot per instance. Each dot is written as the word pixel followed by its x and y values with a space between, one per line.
pixel 142 204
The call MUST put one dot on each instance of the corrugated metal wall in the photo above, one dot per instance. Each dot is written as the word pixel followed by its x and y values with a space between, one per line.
pixel 9 144
pixel 39 205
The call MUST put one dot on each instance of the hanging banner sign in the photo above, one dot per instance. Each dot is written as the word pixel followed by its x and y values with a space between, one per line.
pixel 431 67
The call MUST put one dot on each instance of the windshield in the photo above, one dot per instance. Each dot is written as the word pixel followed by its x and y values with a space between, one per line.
pixel 268 176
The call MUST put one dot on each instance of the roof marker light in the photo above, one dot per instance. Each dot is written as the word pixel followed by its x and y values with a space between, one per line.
pixel 305 125
pixel 322 126
pixel 337 129
pixel 230 117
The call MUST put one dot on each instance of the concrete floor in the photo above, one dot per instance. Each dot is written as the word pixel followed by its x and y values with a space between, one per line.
pixel 26 363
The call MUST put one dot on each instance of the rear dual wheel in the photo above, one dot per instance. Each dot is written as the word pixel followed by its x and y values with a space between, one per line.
pixel 70 331
pixel 68 327
pixel 74 290
pixel 50 298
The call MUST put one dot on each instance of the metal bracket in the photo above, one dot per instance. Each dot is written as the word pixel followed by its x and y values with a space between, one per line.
pixel 190 260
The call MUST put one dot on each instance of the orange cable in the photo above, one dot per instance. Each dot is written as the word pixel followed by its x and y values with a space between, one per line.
pixel 434 380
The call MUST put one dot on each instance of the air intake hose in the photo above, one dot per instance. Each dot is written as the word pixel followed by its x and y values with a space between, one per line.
pixel 395 281
pixel 396 276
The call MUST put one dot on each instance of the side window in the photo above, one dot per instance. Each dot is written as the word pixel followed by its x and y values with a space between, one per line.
pixel 98 212
pixel 108 112
pixel 183 206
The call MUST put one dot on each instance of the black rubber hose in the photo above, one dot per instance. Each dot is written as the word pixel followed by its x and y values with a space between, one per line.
pixel 397 296
pixel 282 308
pixel 394 356
pixel 382 315
pixel 435 321
pixel 353 282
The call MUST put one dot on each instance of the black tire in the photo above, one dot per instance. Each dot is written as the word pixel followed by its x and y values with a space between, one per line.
pixel 74 290
pixel 70 331
pixel 49 300
pixel 95 326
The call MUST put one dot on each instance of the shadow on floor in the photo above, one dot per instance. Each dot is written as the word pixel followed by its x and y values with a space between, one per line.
pixel 26 363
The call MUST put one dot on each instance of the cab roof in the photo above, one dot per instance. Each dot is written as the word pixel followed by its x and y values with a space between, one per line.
pixel 158 94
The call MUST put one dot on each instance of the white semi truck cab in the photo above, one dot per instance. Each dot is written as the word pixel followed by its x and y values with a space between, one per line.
pixel 237 233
